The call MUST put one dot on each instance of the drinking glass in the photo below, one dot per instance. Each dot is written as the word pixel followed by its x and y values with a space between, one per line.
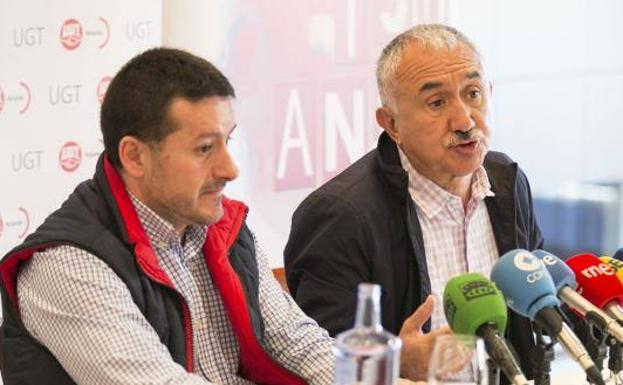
pixel 458 360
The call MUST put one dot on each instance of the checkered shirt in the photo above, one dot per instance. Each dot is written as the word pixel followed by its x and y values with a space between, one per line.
pixel 76 306
pixel 456 239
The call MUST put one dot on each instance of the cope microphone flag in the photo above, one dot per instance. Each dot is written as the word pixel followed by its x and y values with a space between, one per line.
pixel 530 291
pixel 473 305
pixel 566 283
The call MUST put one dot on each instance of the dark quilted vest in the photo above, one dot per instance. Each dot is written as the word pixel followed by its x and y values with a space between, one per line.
pixel 92 219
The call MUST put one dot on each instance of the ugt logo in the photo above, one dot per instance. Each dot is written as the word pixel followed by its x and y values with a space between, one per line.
pixel 71 34
pixel 102 87
pixel 70 156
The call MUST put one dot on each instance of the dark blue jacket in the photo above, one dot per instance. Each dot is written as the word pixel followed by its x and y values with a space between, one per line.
pixel 362 226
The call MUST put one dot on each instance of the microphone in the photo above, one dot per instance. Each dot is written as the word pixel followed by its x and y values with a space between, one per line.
pixel 598 283
pixel 530 291
pixel 615 264
pixel 565 283
pixel 618 254
pixel 615 361
pixel 473 305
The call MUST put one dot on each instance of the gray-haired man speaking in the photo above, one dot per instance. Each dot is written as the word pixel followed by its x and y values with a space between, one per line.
pixel 430 202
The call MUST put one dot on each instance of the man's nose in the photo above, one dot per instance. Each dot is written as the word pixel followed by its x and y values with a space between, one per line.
pixel 461 118
pixel 226 168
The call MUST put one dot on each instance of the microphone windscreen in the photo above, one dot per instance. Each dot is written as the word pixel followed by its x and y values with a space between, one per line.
pixel 615 264
pixel 618 254
pixel 471 300
pixel 597 281
pixel 561 274
pixel 525 283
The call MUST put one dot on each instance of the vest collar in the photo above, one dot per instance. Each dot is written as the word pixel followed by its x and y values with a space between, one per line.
pixel 221 234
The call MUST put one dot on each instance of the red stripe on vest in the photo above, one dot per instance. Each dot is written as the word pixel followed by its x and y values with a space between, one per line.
pixel 257 365
pixel 145 256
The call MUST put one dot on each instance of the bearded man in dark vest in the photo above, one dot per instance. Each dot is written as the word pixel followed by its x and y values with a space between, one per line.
pixel 148 273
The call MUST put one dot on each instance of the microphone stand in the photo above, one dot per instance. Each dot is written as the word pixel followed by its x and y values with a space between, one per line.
pixel 544 356
pixel 594 341
pixel 615 361
pixel 494 372
pixel 592 338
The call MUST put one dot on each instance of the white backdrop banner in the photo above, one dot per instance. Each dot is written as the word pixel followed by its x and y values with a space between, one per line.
pixel 304 78
pixel 56 60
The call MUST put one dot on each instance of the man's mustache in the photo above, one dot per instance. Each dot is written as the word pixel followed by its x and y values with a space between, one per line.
pixel 213 187
pixel 459 137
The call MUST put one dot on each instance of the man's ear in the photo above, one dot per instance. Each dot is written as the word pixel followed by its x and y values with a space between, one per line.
pixel 134 156
pixel 385 119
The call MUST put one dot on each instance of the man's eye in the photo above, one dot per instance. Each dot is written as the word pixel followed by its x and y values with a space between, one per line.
pixel 436 103
pixel 205 148
pixel 474 94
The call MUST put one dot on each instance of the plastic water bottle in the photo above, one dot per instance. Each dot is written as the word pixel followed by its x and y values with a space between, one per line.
pixel 367 354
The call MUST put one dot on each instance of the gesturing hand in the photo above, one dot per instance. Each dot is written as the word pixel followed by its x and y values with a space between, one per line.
pixel 417 347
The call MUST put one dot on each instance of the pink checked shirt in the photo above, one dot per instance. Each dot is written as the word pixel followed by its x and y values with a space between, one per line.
pixel 456 240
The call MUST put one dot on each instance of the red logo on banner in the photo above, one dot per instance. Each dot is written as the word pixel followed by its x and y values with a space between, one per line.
pixel 71 34
pixel 1 99
pixel 70 156
pixel 102 87
pixel 26 222
pixel 106 34
pixel 28 97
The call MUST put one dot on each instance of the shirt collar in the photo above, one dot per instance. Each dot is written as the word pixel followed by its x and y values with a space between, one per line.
pixel 160 232
pixel 431 198
pixel 481 186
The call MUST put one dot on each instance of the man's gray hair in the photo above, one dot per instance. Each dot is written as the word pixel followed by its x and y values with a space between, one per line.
pixel 434 36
